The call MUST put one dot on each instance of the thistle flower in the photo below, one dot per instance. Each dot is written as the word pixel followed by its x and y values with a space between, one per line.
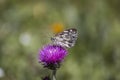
pixel 46 78
pixel 52 55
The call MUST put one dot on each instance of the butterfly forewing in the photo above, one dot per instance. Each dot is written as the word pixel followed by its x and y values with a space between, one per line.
pixel 66 38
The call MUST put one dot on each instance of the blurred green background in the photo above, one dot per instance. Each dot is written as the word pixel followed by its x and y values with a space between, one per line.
pixel 25 26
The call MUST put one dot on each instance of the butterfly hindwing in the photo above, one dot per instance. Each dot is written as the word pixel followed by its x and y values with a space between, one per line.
pixel 66 38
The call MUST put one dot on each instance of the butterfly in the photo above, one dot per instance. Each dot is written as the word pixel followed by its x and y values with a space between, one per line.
pixel 66 39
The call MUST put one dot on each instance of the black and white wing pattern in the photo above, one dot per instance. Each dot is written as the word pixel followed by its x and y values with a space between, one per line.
pixel 66 38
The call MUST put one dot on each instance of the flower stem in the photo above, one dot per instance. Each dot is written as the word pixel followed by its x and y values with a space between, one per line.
pixel 54 74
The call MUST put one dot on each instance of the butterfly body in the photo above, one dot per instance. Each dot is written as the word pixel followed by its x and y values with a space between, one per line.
pixel 66 38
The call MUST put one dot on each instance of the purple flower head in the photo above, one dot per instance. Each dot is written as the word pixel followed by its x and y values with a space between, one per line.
pixel 52 55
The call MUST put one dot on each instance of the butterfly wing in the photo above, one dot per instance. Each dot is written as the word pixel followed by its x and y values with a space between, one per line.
pixel 66 38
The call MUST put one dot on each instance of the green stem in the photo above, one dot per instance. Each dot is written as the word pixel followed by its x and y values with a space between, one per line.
pixel 54 74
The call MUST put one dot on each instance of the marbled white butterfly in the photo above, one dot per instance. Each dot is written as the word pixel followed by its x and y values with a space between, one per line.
pixel 66 38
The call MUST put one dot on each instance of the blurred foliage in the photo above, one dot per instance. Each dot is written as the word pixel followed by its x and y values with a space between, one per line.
pixel 25 26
